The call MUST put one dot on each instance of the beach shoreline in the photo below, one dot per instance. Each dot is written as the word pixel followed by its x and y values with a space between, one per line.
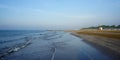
pixel 107 45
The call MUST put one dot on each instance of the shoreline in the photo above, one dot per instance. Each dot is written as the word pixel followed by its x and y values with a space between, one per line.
pixel 107 45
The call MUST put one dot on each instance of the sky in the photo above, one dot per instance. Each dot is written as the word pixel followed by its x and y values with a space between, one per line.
pixel 57 14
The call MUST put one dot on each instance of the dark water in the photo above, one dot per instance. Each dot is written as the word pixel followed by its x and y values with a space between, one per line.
pixel 45 45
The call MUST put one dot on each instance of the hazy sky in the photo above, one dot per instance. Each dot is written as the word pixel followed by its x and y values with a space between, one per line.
pixel 58 14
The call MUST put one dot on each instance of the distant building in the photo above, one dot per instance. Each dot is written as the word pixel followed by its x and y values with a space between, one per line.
pixel 100 28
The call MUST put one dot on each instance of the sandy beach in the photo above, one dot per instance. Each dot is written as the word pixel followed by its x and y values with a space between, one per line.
pixel 107 41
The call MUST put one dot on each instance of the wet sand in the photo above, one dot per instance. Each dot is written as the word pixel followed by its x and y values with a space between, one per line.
pixel 108 45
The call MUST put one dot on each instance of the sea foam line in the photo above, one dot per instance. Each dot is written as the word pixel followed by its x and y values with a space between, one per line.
pixel 53 55
pixel 15 49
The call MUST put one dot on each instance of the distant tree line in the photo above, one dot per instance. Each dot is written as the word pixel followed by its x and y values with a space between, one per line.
pixel 105 27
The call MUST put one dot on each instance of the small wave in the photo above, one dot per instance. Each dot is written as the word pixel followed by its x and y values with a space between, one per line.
pixel 54 51
pixel 15 49
pixel 53 37
pixel 12 40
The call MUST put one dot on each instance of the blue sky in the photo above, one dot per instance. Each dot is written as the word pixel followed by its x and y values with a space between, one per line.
pixel 58 14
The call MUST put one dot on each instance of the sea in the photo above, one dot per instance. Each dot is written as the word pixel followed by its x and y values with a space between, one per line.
pixel 14 40
pixel 46 45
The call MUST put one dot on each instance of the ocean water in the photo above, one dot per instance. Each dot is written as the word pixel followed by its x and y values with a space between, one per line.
pixel 13 40
pixel 46 45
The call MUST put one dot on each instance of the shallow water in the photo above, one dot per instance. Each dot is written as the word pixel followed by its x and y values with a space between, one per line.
pixel 48 45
